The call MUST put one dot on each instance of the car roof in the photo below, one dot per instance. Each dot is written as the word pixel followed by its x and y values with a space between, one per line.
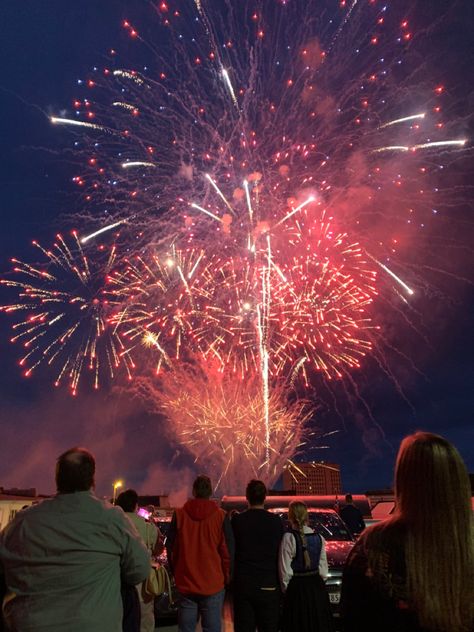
pixel 312 502
pixel 310 510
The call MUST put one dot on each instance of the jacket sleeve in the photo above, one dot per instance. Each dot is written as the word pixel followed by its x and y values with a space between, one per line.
pixel 227 550
pixel 285 557
pixel 171 543
pixel 135 561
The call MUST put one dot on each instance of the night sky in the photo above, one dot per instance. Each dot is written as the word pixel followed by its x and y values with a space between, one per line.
pixel 44 48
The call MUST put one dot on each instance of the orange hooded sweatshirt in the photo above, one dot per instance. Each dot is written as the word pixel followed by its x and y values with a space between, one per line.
pixel 200 547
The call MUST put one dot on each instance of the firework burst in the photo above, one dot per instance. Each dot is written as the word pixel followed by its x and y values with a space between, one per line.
pixel 63 315
pixel 219 420
pixel 315 285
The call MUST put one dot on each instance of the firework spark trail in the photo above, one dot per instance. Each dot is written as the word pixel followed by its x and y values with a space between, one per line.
pixel 404 119
pixel 428 145
pixel 105 229
pixel 64 121
pixel 129 75
pixel 394 276
pixel 296 210
pixel 206 212
pixel 137 163
pixel 226 202
pixel 230 87
pixel 249 201
pixel 263 313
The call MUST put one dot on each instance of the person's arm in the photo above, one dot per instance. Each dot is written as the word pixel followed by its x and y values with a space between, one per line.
pixel 287 553
pixel 135 561
pixel 281 527
pixel 171 543
pixel 227 549
pixel 361 526
pixel 323 560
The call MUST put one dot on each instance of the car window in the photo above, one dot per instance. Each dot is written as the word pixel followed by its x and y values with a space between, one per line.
pixel 328 524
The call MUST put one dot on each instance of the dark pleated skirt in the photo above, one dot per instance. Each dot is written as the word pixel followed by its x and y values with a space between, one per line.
pixel 306 606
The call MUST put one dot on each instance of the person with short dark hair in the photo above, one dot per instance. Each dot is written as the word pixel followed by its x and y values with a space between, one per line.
pixel 414 571
pixel 153 540
pixel 255 493
pixel 63 558
pixel 352 516
pixel 258 534
pixel 202 487
pixel 200 551
pixel 128 500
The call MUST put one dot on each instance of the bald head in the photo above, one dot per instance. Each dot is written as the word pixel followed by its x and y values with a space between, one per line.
pixel 75 471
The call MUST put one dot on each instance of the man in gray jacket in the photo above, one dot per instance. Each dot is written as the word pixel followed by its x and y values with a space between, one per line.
pixel 64 559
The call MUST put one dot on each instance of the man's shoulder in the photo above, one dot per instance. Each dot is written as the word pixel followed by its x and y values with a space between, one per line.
pixel 36 510
pixel 89 503
pixel 257 515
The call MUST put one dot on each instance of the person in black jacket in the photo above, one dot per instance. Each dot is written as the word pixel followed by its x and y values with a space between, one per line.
pixel 352 516
pixel 258 534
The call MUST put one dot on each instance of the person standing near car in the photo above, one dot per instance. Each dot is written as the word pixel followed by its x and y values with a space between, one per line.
pixel 414 571
pixel 352 516
pixel 303 568
pixel 153 540
pixel 200 553
pixel 258 534
pixel 63 559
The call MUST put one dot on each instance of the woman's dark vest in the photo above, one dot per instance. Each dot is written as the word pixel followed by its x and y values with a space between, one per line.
pixel 313 546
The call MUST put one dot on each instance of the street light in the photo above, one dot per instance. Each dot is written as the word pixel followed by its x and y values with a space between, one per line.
pixel 117 484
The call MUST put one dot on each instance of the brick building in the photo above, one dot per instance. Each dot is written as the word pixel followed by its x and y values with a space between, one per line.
pixel 318 478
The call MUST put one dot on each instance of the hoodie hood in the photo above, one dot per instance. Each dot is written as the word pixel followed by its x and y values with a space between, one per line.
pixel 199 509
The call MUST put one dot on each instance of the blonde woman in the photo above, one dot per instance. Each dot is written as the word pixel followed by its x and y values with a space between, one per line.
pixel 303 568
pixel 415 571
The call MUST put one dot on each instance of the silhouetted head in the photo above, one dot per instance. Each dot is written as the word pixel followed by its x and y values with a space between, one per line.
pixel 202 487
pixel 433 502
pixel 75 471
pixel 349 500
pixel 429 475
pixel 256 492
pixel 128 500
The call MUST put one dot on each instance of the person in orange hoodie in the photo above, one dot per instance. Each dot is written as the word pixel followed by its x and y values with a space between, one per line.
pixel 200 548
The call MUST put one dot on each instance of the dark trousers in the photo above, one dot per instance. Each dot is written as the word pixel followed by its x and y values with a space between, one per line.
pixel 131 609
pixel 255 608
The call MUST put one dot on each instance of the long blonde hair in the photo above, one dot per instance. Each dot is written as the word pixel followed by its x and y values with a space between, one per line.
pixel 433 497
pixel 298 515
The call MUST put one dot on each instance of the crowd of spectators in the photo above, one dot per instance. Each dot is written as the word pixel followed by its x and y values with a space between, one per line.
pixel 76 563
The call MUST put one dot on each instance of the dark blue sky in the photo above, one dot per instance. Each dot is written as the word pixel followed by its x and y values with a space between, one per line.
pixel 44 48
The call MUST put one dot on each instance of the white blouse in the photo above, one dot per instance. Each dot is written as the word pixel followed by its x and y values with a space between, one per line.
pixel 288 553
